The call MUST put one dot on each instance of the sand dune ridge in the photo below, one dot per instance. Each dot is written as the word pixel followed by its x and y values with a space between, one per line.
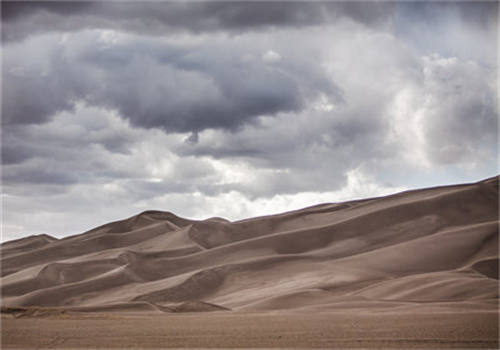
pixel 436 245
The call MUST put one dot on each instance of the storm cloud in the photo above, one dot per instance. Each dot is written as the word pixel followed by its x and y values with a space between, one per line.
pixel 236 109
pixel 154 18
pixel 156 83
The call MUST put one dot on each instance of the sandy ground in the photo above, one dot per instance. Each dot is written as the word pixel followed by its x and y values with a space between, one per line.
pixel 253 330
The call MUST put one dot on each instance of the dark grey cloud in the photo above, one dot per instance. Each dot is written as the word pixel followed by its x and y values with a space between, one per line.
pixel 154 83
pixel 63 137
pixel 25 18
pixel 477 13
pixel 83 147
pixel 38 173
pixel 12 10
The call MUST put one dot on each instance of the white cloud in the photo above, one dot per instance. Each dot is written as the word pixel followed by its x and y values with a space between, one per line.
pixel 271 57
pixel 449 116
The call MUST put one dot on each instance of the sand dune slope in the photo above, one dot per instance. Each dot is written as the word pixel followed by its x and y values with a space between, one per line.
pixel 435 247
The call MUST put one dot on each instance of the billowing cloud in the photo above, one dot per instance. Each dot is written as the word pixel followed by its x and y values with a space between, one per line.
pixel 450 115
pixel 237 109
pixel 155 82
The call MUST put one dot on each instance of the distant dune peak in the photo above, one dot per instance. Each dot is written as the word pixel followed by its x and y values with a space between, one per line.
pixel 436 245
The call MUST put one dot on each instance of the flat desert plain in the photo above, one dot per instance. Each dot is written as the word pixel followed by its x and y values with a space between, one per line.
pixel 418 269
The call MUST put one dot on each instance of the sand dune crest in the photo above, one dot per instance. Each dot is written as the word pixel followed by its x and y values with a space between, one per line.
pixel 436 245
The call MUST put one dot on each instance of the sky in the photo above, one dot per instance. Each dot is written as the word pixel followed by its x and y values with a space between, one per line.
pixel 238 109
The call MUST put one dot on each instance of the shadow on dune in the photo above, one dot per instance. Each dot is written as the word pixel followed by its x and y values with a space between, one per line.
pixel 436 245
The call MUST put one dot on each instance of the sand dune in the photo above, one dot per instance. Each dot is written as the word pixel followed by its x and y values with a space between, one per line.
pixel 431 247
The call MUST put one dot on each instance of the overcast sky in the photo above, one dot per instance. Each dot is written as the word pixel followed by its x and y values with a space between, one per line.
pixel 237 109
